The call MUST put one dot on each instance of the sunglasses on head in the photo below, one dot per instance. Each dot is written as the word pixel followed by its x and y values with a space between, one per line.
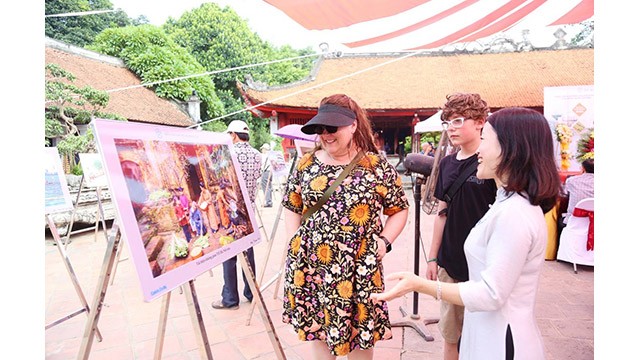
pixel 319 129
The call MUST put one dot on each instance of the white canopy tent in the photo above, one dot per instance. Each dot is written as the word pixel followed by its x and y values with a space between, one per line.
pixel 432 123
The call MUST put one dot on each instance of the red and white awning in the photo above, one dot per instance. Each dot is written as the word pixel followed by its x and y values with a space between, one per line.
pixel 371 25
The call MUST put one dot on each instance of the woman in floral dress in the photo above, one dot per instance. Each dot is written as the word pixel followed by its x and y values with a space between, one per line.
pixel 334 258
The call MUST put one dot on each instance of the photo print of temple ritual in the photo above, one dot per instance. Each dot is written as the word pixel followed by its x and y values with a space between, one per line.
pixel 186 199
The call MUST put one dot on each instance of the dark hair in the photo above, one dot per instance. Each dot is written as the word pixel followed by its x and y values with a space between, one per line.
pixel 527 156
pixel 471 106
pixel 363 137
pixel 243 136
pixel 588 166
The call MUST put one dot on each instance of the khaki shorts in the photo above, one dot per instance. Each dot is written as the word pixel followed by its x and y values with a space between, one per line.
pixel 451 316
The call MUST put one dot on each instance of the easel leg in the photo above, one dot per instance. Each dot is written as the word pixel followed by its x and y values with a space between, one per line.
pixel 279 274
pixel 100 292
pixel 162 326
pixel 264 231
pixel 257 295
pixel 115 265
pixel 73 214
pixel 271 241
pixel 196 320
pixel 72 275
pixel 264 266
pixel 100 218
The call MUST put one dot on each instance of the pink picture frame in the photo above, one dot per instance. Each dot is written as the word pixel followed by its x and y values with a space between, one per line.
pixel 154 173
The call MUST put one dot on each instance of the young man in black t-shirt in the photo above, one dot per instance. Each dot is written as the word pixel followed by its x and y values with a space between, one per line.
pixel 463 117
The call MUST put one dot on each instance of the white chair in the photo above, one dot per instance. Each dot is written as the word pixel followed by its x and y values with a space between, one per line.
pixel 573 239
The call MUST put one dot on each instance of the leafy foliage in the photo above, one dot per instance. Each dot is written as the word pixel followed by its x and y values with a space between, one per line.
pixel 219 39
pixel 204 40
pixel 66 106
pixel 80 30
pixel 154 57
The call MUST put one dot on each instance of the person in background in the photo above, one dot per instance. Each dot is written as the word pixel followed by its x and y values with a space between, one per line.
pixel 267 175
pixel 222 204
pixel 196 221
pixel 334 257
pixel 183 218
pixel 506 248
pixel 208 209
pixel 427 149
pixel 250 162
pixel 184 199
pixel 579 187
pixel 463 117
pixel 379 142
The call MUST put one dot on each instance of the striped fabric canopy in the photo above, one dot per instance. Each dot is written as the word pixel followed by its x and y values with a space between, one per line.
pixel 370 25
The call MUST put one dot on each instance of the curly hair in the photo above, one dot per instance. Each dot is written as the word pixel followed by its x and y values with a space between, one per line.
pixel 468 105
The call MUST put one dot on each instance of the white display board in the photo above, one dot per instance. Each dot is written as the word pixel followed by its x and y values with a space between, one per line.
pixel 56 191
pixel 574 107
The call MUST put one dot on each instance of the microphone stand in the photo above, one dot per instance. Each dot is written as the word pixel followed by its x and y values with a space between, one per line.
pixel 413 320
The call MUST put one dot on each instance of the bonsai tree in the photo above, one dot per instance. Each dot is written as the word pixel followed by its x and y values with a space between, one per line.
pixel 67 106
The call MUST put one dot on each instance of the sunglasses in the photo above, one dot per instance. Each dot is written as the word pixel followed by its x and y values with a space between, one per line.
pixel 320 129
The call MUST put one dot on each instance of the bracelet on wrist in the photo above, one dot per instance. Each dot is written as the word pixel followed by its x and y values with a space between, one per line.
pixel 432 260
pixel 438 290
pixel 387 243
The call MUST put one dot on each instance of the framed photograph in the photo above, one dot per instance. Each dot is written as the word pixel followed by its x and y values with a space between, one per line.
pixel 180 200
pixel 56 190
pixel 94 175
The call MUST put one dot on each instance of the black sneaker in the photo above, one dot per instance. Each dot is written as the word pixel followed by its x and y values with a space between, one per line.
pixel 217 304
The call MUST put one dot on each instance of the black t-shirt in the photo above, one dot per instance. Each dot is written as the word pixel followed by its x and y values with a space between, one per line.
pixel 468 205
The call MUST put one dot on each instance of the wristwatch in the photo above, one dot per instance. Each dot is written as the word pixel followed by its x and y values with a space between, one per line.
pixel 386 241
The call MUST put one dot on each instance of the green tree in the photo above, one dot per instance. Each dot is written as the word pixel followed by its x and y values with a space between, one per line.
pixel 154 57
pixel 66 106
pixel 80 30
pixel 219 39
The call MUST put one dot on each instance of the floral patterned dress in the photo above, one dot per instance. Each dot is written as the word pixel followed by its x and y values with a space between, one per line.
pixel 331 266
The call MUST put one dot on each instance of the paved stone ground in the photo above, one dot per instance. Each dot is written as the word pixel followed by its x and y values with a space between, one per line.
pixel 129 326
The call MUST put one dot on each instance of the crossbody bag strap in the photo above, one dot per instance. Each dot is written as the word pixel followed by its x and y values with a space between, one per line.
pixel 332 188
pixel 453 189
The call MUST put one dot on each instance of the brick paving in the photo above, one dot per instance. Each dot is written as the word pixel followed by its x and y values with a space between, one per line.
pixel 129 326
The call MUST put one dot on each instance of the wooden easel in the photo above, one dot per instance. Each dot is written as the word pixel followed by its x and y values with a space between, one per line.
pixel 72 275
pixel 278 275
pixel 99 217
pixel 111 252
